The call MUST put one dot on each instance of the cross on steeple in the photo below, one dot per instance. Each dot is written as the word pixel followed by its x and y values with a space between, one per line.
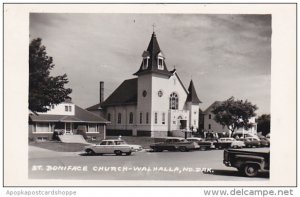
pixel 153 25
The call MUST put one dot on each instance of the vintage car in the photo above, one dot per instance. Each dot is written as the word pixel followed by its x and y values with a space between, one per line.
pixel 250 142
pixel 174 144
pixel 247 161
pixel 116 146
pixel 204 145
pixel 228 142
pixel 264 142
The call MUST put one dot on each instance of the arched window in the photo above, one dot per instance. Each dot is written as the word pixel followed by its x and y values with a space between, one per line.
pixel 108 116
pixel 141 118
pixel 145 63
pixel 173 101
pixel 119 118
pixel 130 118
pixel 147 118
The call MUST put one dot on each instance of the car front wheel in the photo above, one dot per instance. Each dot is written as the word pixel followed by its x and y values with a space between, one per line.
pixel 183 149
pixel 118 152
pixel 90 152
pixel 250 170
pixel 129 153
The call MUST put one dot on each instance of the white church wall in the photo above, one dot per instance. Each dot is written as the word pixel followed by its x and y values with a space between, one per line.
pixel 125 113
pixel 161 104
pixel 194 116
pixel 144 102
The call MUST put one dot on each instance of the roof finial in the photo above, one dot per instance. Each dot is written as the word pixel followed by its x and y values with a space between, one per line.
pixel 153 25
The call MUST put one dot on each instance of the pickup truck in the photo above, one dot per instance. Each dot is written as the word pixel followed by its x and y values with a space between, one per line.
pixel 247 161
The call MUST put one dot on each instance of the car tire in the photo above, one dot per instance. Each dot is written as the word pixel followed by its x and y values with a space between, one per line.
pixel 155 149
pixel 90 152
pixel 118 152
pixel 203 148
pixel 250 170
pixel 129 153
pixel 183 149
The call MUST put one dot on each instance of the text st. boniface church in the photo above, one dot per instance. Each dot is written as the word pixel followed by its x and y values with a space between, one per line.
pixel 154 103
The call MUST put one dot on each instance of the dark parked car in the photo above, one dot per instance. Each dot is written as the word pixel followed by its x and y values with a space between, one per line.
pixel 264 142
pixel 248 162
pixel 174 144
pixel 204 145
pixel 250 142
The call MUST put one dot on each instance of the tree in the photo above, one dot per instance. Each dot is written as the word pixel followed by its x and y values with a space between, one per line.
pixel 263 124
pixel 44 90
pixel 234 114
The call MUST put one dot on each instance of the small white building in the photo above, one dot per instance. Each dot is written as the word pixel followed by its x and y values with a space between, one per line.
pixel 66 119
pixel 210 125
pixel 155 103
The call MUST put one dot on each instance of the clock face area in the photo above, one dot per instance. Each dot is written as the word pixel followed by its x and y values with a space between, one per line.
pixel 144 93
pixel 160 93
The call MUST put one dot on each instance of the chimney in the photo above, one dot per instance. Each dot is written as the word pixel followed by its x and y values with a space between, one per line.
pixel 101 91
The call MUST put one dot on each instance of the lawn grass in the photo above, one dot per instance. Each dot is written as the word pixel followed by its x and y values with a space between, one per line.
pixel 143 141
pixel 77 147
pixel 59 146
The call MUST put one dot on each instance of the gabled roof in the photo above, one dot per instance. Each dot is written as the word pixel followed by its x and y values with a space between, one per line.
pixel 192 96
pixel 125 94
pixel 153 50
pixel 81 115
pixel 211 106
pixel 94 107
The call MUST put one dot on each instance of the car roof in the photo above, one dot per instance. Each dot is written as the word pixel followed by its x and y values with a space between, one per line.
pixel 112 140
pixel 197 138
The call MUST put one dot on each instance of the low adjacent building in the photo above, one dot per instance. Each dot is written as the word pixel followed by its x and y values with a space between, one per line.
pixel 211 126
pixel 66 119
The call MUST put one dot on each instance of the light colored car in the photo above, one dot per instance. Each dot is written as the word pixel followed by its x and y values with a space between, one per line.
pixel 117 147
pixel 203 144
pixel 230 142
pixel 135 147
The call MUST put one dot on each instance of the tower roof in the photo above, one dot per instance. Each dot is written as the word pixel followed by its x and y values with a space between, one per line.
pixel 192 96
pixel 152 53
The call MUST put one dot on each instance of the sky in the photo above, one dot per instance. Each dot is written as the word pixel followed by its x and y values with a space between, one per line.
pixel 224 55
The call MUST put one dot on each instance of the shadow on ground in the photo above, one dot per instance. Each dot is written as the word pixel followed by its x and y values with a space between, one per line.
pixel 235 173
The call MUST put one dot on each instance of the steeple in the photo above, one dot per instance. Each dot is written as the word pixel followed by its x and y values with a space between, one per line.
pixel 153 59
pixel 192 96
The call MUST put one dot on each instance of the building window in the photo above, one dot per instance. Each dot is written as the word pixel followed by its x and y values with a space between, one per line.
pixel 147 118
pixel 195 122
pixel 130 118
pixel 119 118
pixel 160 63
pixel 108 116
pixel 70 108
pixel 66 108
pixel 145 63
pixel 92 128
pixel 173 101
pixel 209 116
pixel 209 126
pixel 163 118
pixel 141 118
pixel 155 118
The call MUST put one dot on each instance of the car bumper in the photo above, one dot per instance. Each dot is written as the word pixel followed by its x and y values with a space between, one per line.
pixel 227 163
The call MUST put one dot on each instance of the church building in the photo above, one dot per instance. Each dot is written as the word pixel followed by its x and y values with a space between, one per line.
pixel 155 103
